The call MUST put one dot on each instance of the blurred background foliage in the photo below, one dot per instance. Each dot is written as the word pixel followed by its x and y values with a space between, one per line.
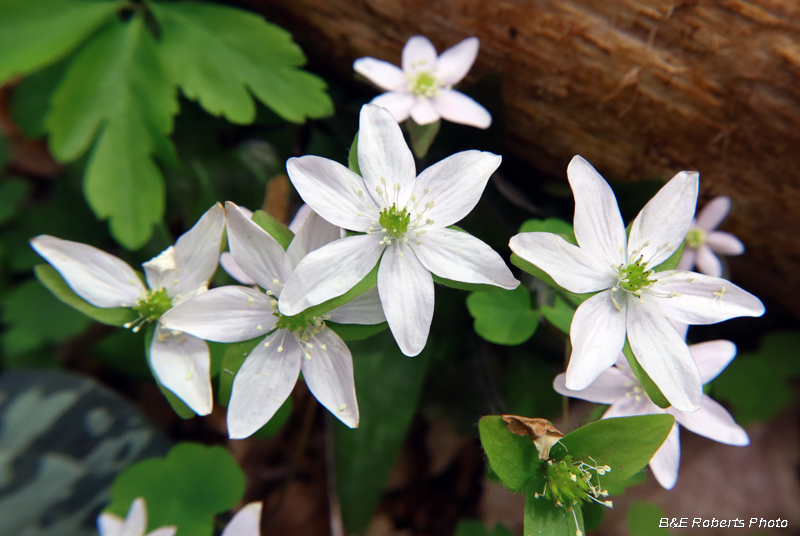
pixel 123 121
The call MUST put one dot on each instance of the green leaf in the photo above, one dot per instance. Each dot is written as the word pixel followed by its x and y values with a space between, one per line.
pixel 36 33
pixel 12 191
pixel 543 517
pixel 33 318
pixel 559 314
pixel 626 444
pixel 356 332
pixel 128 108
pixel 187 488
pixel 178 405
pixel 352 156
pixel 274 228
pixel 422 136
pixel 231 363
pixel 503 317
pixel 30 101
pixel 647 382
pixel 550 225
pixel 525 266
pixel 361 287
pixel 513 458
pixel 217 53
pixel 51 279
pixel 644 519
pixel 388 386
pixel 672 262
pixel 471 287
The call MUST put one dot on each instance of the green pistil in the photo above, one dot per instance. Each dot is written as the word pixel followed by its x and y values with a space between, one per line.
pixel 156 304
pixel 634 277
pixel 695 238
pixel 395 221
pixel 294 323
pixel 570 482
pixel 424 85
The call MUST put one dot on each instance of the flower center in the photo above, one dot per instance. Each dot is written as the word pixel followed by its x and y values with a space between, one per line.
pixel 695 238
pixel 424 84
pixel 569 482
pixel 292 323
pixel 394 222
pixel 150 308
pixel 635 276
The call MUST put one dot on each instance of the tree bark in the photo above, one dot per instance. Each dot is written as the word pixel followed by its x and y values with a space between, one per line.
pixel 641 89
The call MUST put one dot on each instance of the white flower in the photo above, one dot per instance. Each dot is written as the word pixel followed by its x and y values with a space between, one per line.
pixel 246 522
pixel 423 88
pixel 181 362
pixel 619 387
pixel 405 219
pixel 633 300
pixel 234 314
pixel 703 240
pixel 134 524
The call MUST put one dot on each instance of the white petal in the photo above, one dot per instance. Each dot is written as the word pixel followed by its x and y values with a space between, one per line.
pixel 454 63
pixel 246 522
pixel 724 243
pixel 381 73
pixel 263 384
pixel 701 299
pixel 299 219
pixel 713 213
pixel 406 291
pixel 329 272
pixel 714 422
pixel 197 254
pixel 256 252
pixel 629 406
pixel 399 104
pixel 224 314
pixel 667 459
pixel 99 278
pixel 365 309
pixel 688 258
pixel 228 264
pixel 707 262
pixel 332 191
pixel 454 186
pixel 663 354
pixel 665 219
pixel 611 385
pixel 182 363
pixel 458 108
pixel 598 224
pixel 328 371
pixel 109 524
pixel 598 335
pixel 682 330
pixel 712 357
pixel 385 160
pixel 419 54
pixel 164 531
pixel 136 521
pixel 423 112
pixel 459 256
pixel 312 235
pixel 568 265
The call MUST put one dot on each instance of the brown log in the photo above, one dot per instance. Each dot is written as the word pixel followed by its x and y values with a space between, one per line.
pixel 640 88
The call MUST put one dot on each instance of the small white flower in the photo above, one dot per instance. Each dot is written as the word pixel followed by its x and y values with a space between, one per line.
pixel 292 344
pixel 632 300
pixel 134 524
pixel 703 240
pixel 181 362
pixel 405 219
pixel 619 387
pixel 423 87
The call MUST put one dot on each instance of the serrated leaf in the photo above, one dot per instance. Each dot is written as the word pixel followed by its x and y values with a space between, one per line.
pixel 647 382
pixel 187 488
pixel 51 279
pixel 218 55
pixel 128 108
pixel 542 517
pixel 503 317
pixel 178 405
pixel 36 33
pixel 422 136
pixel 274 228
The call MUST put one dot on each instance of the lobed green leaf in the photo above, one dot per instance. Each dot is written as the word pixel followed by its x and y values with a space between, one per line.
pixel 503 317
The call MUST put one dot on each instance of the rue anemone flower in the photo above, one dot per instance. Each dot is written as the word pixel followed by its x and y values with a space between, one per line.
pixel 703 240
pixel 403 220
pixel 423 88
pixel 134 524
pixel 632 298
pixel 180 361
